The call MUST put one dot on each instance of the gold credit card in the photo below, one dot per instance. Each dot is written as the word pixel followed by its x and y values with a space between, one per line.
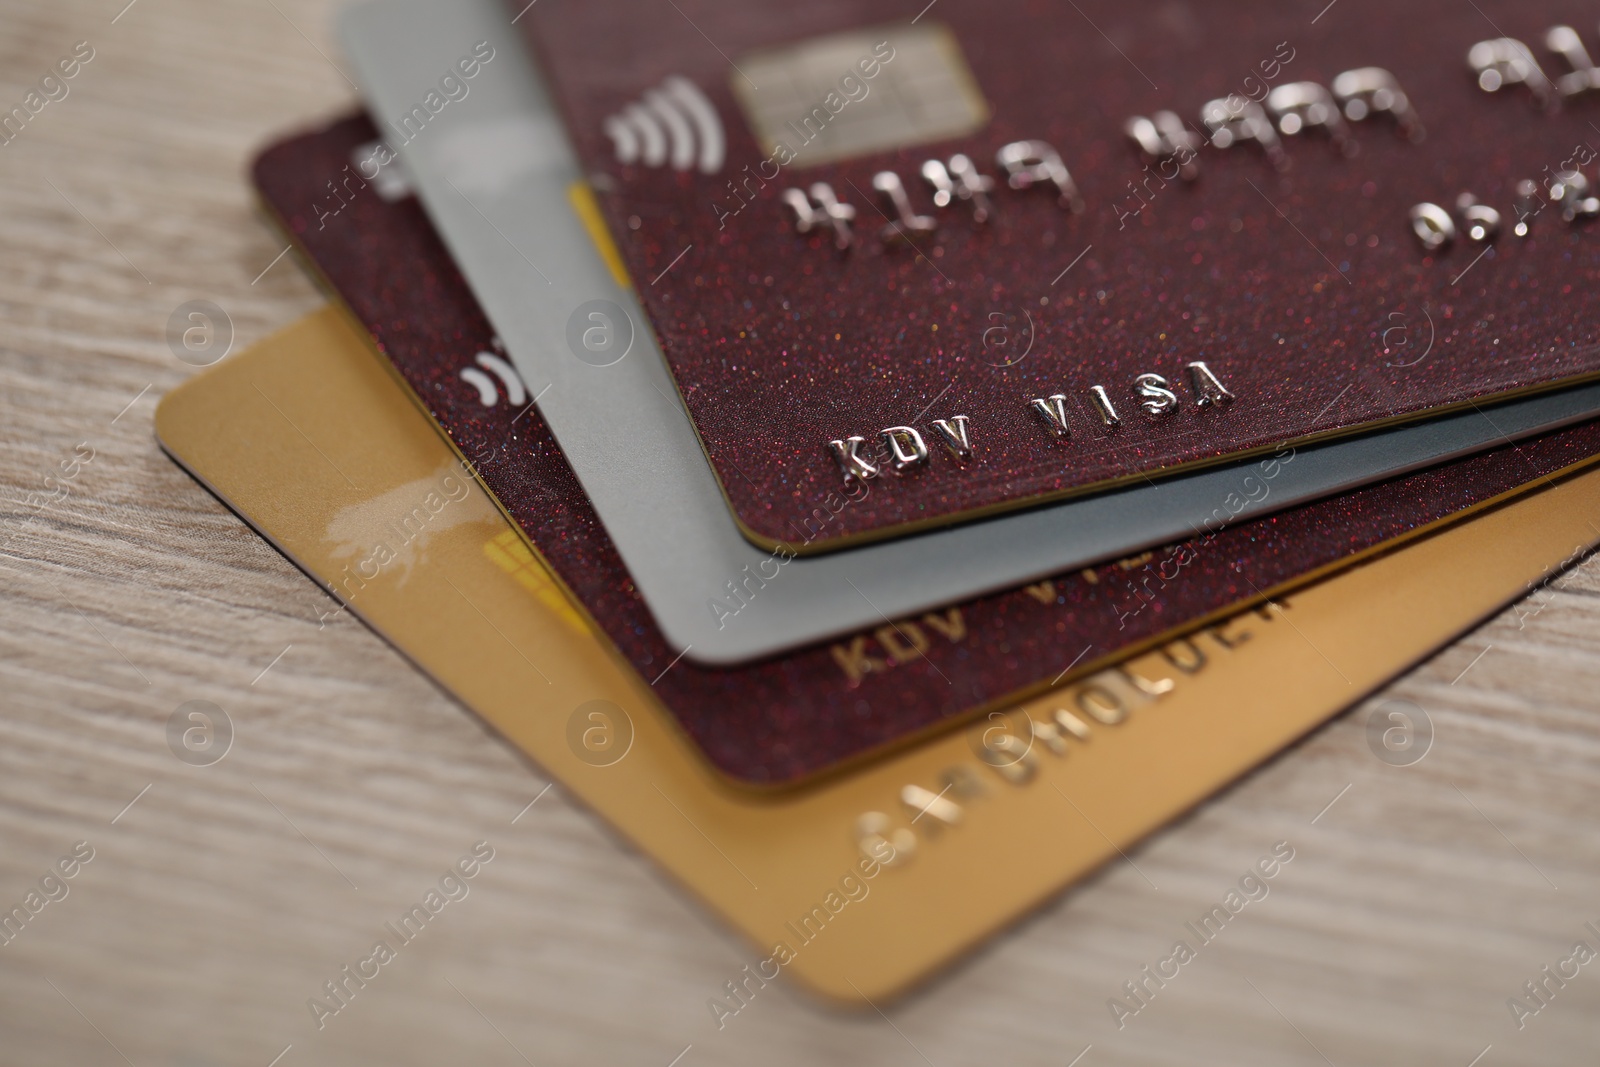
pixel 863 884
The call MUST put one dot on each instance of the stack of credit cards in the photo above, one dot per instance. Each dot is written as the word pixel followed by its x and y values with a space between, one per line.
pixel 887 463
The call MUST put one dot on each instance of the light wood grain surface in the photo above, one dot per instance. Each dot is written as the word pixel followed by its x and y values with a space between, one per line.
pixel 225 896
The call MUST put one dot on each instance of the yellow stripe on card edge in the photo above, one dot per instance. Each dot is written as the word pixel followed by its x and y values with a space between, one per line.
pixel 508 552
pixel 588 208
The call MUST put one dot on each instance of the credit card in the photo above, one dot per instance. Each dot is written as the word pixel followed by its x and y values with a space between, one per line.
pixel 780 720
pixel 493 161
pixel 1117 240
pixel 864 884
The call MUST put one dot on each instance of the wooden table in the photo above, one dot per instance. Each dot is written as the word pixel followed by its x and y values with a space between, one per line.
pixel 224 896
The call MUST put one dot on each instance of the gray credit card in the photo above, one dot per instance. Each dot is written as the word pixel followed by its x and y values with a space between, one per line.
pixel 493 168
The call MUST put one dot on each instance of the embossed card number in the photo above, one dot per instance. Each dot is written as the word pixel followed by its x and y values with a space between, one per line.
pixel 1233 186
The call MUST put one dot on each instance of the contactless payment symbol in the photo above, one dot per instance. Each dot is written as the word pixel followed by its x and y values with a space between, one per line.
pixel 673 123
pixel 488 394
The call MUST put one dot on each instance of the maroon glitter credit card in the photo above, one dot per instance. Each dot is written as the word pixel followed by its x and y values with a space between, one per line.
pixel 1005 252
pixel 779 721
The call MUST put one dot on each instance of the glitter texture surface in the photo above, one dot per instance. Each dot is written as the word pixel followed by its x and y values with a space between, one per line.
pixel 1303 290
pixel 782 720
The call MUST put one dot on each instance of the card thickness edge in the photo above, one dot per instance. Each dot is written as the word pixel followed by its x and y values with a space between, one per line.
pixel 1228 715
pixel 671 523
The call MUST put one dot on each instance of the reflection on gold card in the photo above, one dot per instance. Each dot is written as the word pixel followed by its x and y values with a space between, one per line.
pixel 863 884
